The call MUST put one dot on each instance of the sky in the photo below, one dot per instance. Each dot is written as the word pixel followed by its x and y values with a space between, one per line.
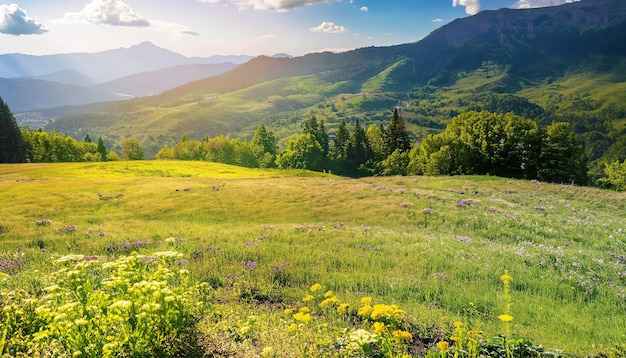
pixel 229 27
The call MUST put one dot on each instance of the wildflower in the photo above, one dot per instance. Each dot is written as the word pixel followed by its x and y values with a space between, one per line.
pixel 442 346
pixel 458 324
pixel 308 298
pixel 506 278
pixel 250 265
pixel 365 311
pixel 292 328
pixel 343 308
pixel 288 311
pixel 315 287
pixel 403 335
pixel 427 210
pixel 366 300
pixel 454 338
pixel 329 301
pixel 304 309
pixel 378 327
pixel 362 337
pixel 302 317
pixel 505 318
pixel 329 294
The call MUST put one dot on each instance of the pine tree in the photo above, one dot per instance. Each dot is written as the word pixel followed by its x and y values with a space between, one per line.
pixel 87 139
pixel 264 139
pixel 12 147
pixel 342 136
pixel 102 150
pixel 358 150
pixel 397 136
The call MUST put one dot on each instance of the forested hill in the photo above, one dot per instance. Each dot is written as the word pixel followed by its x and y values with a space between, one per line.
pixel 563 63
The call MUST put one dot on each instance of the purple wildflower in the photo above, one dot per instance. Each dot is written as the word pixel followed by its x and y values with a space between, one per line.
pixel 464 202
pixel 250 265
pixel 8 265
pixel 90 258
pixel 182 262
pixel 427 210
pixel 43 222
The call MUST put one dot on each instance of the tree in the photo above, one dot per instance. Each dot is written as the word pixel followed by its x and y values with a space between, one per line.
pixel 131 149
pixel 396 136
pixel 562 158
pixel 358 151
pixel 342 136
pixel 318 131
pixel 615 176
pixel 102 150
pixel 87 139
pixel 264 139
pixel 302 152
pixel 12 147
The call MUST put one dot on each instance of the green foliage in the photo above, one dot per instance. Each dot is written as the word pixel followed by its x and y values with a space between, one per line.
pixel 302 152
pixel 342 136
pixel 50 147
pixel 563 158
pixel 12 147
pixel 102 149
pixel 615 176
pixel 131 149
pixel 134 306
pixel 504 145
pixel 396 136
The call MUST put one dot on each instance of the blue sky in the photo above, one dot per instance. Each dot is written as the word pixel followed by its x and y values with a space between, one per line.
pixel 229 27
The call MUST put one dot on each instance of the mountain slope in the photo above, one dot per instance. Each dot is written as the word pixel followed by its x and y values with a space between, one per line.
pixel 154 82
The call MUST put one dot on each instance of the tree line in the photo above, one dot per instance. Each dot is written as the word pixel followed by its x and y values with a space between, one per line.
pixel 474 143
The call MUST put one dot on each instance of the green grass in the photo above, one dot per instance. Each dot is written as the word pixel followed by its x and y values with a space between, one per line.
pixel 358 237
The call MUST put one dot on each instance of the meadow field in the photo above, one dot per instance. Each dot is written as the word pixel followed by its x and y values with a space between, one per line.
pixel 285 263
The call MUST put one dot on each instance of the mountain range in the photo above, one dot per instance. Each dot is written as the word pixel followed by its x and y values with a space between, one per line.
pixel 563 63
pixel 30 83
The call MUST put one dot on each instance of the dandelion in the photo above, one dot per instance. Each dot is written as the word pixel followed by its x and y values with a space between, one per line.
pixel 315 287
pixel 308 298
pixel 403 335
pixel 288 311
pixel 302 317
pixel 292 328
pixel 366 300
pixel 505 318
pixel 343 308
pixel 329 294
pixel 378 327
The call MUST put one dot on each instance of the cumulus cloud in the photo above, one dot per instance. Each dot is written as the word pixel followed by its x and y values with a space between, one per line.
pixel 109 12
pixel 13 21
pixel 272 5
pixel 365 9
pixel 527 4
pixel 472 7
pixel 329 27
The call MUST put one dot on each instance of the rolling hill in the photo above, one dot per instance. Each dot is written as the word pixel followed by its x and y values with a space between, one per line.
pixel 558 63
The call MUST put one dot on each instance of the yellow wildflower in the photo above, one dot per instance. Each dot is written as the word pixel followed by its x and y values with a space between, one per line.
pixel 292 328
pixel 366 300
pixel 378 327
pixel 458 324
pixel 506 278
pixel 329 301
pixel 304 309
pixel 329 294
pixel 454 338
pixel 288 311
pixel 308 298
pixel 365 311
pixel 443 346
pixel 315 287
pixel 505 318
pixel 404 335
pixel 381 311
pixel 302 317
pixel 343 308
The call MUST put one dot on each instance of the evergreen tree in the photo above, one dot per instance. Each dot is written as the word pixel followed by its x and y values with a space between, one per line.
pixel 396 136
pixel 102 150
pixel 342 136
pixel 264 139
pixel 358 151
pixel 87 139
pixel 318 131
pixel 12 147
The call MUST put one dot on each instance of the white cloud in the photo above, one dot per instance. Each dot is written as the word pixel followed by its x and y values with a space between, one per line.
pixel 109 12
pixel 273 5
pixel 13 21
pixel 472 7
pixel 365 9
pixel 436 20
pixel 266 36
pixel 329 27
pixel 527 4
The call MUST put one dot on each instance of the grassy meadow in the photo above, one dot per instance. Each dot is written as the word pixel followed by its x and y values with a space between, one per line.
pixel 436 247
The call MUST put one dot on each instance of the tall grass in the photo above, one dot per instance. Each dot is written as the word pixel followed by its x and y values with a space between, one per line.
pixel 434 246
